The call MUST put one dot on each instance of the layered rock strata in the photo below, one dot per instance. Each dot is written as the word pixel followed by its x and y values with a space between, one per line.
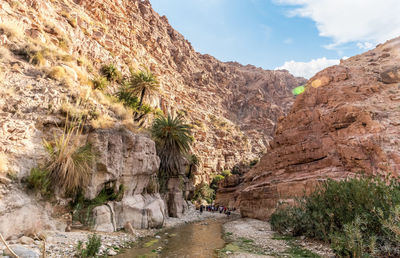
pixel 232 107
pixel 346 122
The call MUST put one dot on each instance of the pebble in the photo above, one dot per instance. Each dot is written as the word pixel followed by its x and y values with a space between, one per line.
pixel 111 252
pixel 26 240
pixel 158 237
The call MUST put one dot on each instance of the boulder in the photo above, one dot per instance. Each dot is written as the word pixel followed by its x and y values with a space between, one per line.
pixel 25 240
pixel 22 252
pixel 175 197
pixel 104 218
pixel 124 158
pixel 130 160
pixel 141 211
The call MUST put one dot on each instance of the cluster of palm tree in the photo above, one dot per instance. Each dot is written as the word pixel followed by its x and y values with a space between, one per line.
pixel 172 134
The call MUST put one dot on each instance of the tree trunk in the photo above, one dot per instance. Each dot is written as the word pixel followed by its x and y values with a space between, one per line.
pixel 142 97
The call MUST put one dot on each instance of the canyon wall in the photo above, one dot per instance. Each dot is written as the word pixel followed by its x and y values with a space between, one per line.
pixel 50 51
pixel 233 108
pixel 346 122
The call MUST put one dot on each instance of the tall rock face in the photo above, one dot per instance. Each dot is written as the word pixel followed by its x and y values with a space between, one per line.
pixel 233 108
pixel 347 122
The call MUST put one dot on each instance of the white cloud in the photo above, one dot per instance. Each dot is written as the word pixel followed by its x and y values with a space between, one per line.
pixel 366 22
pixel 308 69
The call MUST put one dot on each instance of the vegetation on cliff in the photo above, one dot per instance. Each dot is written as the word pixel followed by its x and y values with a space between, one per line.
pixel 359 216
pixel 173 138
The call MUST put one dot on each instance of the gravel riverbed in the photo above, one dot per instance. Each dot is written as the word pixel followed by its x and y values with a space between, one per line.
pixel 63 244
pixel 245 238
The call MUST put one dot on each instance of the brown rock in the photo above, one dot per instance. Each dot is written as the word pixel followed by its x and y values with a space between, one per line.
pixel 391 74
pixel 128 228
pixel 345 125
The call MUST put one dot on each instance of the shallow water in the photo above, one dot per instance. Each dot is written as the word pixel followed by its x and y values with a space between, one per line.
pixel 199 239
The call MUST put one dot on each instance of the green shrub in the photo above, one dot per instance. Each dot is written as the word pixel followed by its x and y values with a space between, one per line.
pixel 91 249
pixel 226 173
pixel 128 98
pixel 358 216
pixel 111 73
pixel 204 192
pixel 100 83
pixel 218 178
pixel 39 181
pixel 236 170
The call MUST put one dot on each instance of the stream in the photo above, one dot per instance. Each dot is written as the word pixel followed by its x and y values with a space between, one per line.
pixel 199 239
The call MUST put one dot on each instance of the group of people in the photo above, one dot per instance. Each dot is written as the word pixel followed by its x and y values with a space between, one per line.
pixel 216 208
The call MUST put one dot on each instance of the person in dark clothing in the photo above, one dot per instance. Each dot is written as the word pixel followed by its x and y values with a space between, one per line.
pixel 201 208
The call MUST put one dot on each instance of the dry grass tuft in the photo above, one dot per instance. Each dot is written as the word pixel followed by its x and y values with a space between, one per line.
pixel 4 53
pixel 12 29
pixel 121 111
pixel 70 162
pixel 130 125
pixel 57 73
pixel 85 92
pixel 3 164
pixel 103 122
pixel 74 111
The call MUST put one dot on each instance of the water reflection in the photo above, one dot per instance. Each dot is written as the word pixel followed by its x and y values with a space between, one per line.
pixel 190 240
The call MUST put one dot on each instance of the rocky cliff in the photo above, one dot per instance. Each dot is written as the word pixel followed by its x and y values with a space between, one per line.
pixel 233 108
pixel 51 51
pixel 346 122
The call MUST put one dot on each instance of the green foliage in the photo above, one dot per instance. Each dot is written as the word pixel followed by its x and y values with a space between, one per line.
pixel 358 216
pixel 100 83
pixel 215 181
pixel 204 192
pixel 82 208
pixel 218 178
pixel 91 249
pixel 126 97
pixel 236 170
pixel 39 181
pixel 297 252
pixel 226 173
pixel 142 84
pixel 111 73
pixel 253 162
pixel 129 100
pixel 173 138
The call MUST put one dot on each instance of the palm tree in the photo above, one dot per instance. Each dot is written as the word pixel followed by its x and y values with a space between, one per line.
pixel 173 138
pixel 143 83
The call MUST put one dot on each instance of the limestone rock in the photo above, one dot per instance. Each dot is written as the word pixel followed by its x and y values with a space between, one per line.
pixel 22 252
pixel 104 219
pixel 125 158
pixel 25 240
pixel 347 125
pixel 130 160
pixel 141 211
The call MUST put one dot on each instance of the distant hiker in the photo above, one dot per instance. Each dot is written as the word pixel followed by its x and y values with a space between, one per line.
pixel 201 208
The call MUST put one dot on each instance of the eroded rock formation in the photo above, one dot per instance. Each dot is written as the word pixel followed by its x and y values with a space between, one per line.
pixel 347 122
pixel 129 161
pixel 233 108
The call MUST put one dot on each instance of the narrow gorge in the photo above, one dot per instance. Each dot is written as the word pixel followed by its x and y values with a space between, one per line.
pixel 252 144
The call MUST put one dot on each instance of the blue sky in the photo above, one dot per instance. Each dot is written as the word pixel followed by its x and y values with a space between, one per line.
pixel 302 36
